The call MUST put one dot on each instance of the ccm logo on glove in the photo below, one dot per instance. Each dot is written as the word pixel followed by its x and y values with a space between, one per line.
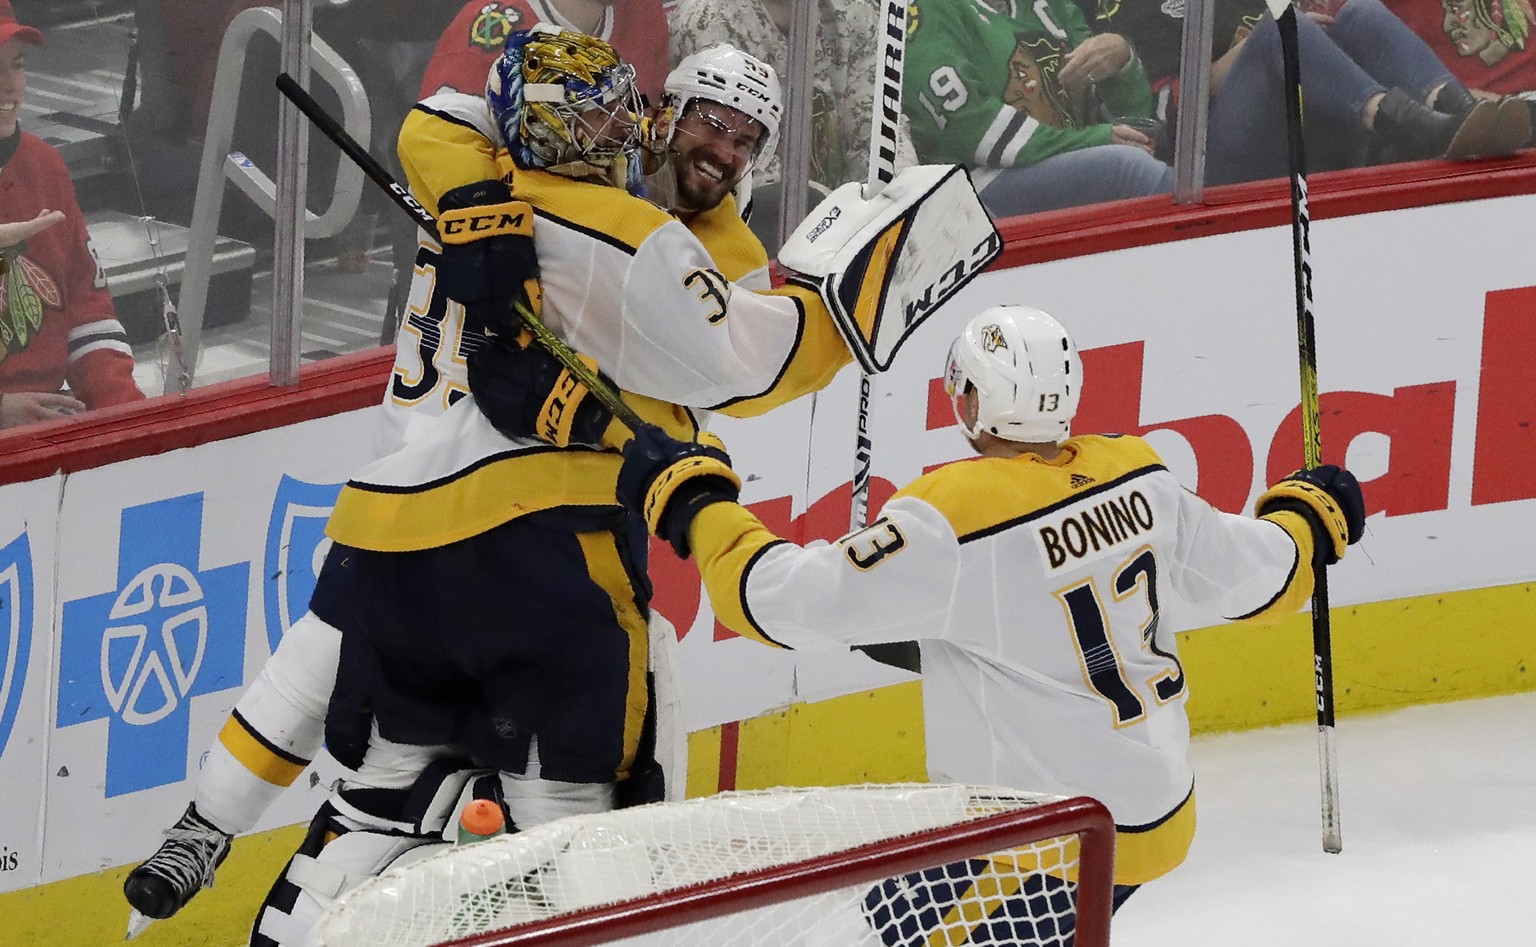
pixel 467 224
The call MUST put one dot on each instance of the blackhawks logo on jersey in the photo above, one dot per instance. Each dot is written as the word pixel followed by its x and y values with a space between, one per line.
pixel 1032 86
pixel 493 25
pixel 27 290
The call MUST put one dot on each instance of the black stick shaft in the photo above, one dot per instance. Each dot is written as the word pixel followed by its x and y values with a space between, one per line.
pixel 424 219
pixel 1312 445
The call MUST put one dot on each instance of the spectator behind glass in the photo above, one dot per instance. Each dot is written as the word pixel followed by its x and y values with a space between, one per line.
pixel 1040 108
pixel 1484 43
pixel 464 54
pixel 1374 92
pixel 57 323
pixel 842 78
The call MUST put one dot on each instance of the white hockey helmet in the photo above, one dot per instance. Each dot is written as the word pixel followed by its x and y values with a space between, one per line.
pixel 1026 371
pixel 724 74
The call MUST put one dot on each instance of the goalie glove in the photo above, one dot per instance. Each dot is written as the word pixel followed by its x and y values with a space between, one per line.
pixel 488 257
pixel 524 391
pixel 884 264
pixel 667 481
pixel 1329 498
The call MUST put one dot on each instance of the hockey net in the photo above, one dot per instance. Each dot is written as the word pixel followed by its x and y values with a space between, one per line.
pixel 895 865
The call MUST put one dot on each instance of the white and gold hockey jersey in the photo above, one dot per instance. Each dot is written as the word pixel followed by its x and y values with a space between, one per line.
pixel 1034 588
pixel 624 282
pixel 432 349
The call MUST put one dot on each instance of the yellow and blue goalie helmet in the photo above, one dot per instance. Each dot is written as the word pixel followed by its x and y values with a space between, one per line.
pixel 565 98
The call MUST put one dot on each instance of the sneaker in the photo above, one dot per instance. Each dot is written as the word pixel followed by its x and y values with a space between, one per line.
pixel 184 863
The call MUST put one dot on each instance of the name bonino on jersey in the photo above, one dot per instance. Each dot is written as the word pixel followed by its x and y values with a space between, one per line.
pixel 1083 534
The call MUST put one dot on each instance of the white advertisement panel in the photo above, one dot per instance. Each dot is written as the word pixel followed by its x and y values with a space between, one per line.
pixel 28 541
pixel 178 575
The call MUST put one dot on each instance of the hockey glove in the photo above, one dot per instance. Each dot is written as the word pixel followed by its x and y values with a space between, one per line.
pixel 668 482
pixel 1330 499
pixel 488 256
pixel 526 392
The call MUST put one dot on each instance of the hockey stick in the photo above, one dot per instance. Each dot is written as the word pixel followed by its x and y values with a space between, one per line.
pixel 885 116
pixel 424 219
pixel 1312 441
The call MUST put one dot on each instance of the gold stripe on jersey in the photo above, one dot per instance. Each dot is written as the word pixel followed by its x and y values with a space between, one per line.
pixel 1298 585
pixel 497 489
pixel 985 495
pixel 439 153
pixel 1145 853
pixel 607 570
pixel 731 244
pixel 261 758
pixel 726 540
pixel 676 420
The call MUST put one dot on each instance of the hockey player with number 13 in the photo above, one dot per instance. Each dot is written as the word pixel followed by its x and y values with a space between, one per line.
pixel 1033 578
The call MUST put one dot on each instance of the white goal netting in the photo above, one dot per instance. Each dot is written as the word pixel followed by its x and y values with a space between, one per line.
pixel 905 865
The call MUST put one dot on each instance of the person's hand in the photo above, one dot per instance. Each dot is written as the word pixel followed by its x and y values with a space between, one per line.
pixel 1329 498
pixel 487 255
pixel 14 233
pixel 29 407
pixel 1096 59
pixel 525 391
pixel 1126 135
pixel 667 481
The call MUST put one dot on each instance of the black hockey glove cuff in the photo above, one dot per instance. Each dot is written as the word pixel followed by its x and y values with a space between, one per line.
pixel 488 254
pixel 1329 497
pixel 526 392
pixel 668 482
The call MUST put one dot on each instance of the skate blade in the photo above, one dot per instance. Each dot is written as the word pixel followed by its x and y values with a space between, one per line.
pixel 137 924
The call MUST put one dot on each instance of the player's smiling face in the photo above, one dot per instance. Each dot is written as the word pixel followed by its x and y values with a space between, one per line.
pixel 13 83
pixel 712 149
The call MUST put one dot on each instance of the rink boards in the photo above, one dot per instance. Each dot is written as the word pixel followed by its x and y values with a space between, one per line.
pixel 139 598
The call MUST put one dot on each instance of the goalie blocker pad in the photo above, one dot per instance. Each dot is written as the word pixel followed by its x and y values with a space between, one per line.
pixel 884 264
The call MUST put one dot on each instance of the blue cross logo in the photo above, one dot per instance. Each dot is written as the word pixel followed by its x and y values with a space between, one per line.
pixel 171 631
pixel 15 630
pixel 296 546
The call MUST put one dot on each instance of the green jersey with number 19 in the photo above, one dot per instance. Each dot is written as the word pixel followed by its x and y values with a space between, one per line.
pixel 981 84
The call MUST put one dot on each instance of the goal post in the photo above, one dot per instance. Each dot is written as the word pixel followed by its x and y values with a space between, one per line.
pixel 897 865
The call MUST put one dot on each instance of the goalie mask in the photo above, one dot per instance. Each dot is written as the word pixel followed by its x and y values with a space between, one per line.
pixel 1026 373
pixel 566 103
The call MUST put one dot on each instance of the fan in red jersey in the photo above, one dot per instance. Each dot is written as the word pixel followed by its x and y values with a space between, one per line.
pixel 57 325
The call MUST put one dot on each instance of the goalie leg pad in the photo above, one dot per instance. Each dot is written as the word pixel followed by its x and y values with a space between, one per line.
pixel 344 846
pixel 885 264
pixel 358 833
